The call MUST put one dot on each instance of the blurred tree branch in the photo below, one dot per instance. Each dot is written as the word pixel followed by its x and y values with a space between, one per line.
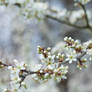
pixel 51 16
pixel 87 26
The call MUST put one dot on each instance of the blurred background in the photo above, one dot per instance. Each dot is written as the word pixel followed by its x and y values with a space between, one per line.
pixel 19 40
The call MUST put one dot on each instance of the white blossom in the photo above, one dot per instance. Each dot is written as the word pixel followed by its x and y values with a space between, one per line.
pixel 71 57
pixel 89 51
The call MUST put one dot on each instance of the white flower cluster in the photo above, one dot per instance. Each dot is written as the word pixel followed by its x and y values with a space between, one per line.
pixel 34 10
pixel 28 8
pixel 88 46
pixel 83 1
pixel 72 17
pixel 79 51
pixel 11 2
pixel 15 76
pixel 51 69
pixel 76 16
pixel 75 51
pixel 53 66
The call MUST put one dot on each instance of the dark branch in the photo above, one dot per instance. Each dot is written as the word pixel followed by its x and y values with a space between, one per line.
pixel 87 26
pixel 65 22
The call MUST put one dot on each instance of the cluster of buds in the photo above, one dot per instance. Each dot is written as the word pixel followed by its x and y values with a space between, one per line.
pixel 52 68
pixel 82 50
pixel 75 44
pixel 45 55
pixel 51 72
